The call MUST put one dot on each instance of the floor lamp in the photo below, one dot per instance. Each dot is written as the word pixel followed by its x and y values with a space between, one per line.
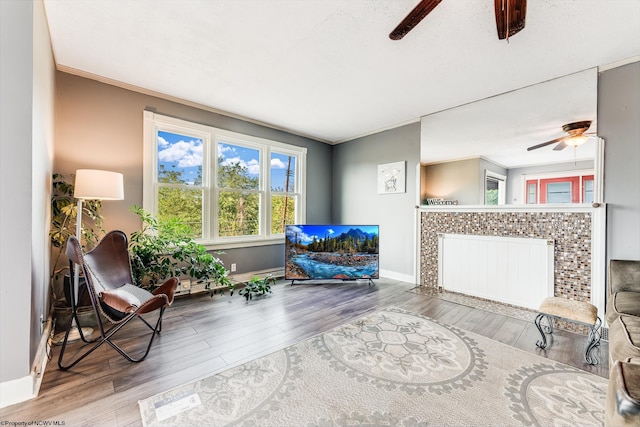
pixel 91 184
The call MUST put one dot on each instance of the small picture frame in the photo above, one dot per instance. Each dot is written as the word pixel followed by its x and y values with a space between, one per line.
pixel 391 178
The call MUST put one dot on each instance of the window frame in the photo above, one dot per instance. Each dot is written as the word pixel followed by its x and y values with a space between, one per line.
pixel 576 177
pixel 211 136
pixel 573 193
pixel 502 186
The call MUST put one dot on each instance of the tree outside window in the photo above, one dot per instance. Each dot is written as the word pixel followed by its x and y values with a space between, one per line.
pixel 283 194
pixel 179 170
pixel 239 190
pixel 226 186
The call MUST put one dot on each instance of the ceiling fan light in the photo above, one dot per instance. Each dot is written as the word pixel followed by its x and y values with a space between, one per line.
pixel 574 141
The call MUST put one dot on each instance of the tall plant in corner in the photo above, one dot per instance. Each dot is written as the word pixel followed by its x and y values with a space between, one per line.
pixel 166 248
pixel 64 211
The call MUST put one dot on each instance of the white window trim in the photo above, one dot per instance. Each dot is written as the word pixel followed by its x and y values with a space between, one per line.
pixel 502 185
pixel 560 174
pixel 152 122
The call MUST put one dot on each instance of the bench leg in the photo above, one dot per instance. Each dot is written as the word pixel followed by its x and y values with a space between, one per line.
pixel 594 341
pixel 594 335
pixel 543 342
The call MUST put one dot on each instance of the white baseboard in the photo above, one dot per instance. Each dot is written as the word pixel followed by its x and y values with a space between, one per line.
pixel 16 391
pixel 244 277
pixel 28 387
pixel 409 278
pixel 279 273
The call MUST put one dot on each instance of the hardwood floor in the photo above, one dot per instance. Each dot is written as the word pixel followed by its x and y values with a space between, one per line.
pixel 203 335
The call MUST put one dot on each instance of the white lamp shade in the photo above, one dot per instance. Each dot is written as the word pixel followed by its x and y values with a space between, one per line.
pixel 92 184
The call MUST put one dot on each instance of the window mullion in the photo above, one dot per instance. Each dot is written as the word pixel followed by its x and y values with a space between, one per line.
pixel 265 192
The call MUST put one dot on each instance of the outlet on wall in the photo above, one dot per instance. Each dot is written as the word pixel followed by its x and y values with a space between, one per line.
pixel 233 267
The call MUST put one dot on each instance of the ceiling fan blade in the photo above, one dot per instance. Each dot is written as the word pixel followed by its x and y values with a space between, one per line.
pixel 561 146
pixel 544 144
pixel 510 17
pixel 413 18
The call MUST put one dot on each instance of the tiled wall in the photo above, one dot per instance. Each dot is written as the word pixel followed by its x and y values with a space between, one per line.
pixel 571 232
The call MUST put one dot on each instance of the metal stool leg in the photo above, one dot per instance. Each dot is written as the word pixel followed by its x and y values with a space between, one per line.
pixel 594 341
pixel 543 342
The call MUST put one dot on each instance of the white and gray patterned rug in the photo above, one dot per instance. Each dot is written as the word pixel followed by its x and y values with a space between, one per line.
pixel 390 367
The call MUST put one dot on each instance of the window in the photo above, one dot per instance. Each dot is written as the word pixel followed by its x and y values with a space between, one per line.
pixel 179 178
pixel 557 192
pixel 587 189
pixel 494 188
pixel 532 192
pixel 283 190
pixel 560 189
pixel 229 188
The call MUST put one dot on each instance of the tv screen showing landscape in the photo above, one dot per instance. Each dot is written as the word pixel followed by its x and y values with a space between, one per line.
pixel 346 252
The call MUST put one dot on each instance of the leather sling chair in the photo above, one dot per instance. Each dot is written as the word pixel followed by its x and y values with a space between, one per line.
pixel 109 281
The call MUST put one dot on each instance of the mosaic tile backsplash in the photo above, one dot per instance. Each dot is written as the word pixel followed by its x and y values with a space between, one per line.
pixel 571 232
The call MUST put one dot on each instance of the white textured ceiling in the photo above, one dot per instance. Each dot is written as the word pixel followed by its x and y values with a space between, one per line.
pixel 327 68
pixel 501 128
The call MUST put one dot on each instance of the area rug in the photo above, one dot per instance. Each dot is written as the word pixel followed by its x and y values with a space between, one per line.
pixel 390 367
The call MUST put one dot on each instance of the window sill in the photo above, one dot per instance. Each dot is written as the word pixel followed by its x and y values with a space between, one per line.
pixel 562 207
pixel 233 244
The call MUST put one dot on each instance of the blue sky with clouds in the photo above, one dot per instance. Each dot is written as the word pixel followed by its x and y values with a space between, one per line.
pixel 179 152
pixel 306 233
pixel 184 153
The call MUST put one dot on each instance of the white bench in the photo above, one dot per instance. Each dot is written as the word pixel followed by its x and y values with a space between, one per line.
pixel 579 312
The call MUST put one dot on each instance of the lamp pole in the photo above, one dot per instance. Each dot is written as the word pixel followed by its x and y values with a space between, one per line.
pixel 75 333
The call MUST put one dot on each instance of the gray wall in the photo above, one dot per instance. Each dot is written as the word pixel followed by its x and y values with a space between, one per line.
pixel 356 199
pixel 100 126
pixel 26 139
pixel 619 125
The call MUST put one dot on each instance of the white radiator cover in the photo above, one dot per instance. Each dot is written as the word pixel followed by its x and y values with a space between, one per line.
pixel 512 270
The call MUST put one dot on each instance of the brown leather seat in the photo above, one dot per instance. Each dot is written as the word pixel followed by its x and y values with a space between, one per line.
pixel 113 294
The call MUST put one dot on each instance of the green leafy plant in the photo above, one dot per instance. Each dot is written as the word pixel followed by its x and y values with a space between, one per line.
pixel 64 211
pixel 165 248
pixel 257 286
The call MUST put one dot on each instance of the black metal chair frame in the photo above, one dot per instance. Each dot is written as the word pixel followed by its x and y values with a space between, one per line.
pixel 76 255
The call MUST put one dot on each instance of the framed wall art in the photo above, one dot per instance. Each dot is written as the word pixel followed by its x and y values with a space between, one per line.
pixel 391 178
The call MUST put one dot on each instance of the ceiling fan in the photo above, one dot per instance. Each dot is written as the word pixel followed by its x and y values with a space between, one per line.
pixel 510 15
pixel 576 136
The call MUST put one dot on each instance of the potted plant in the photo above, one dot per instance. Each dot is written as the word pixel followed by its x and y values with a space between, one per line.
pixel 64 211
pixel 257 286
pixel 165 248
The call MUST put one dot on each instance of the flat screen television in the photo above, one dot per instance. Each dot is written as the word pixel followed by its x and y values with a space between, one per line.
pixel 346 252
